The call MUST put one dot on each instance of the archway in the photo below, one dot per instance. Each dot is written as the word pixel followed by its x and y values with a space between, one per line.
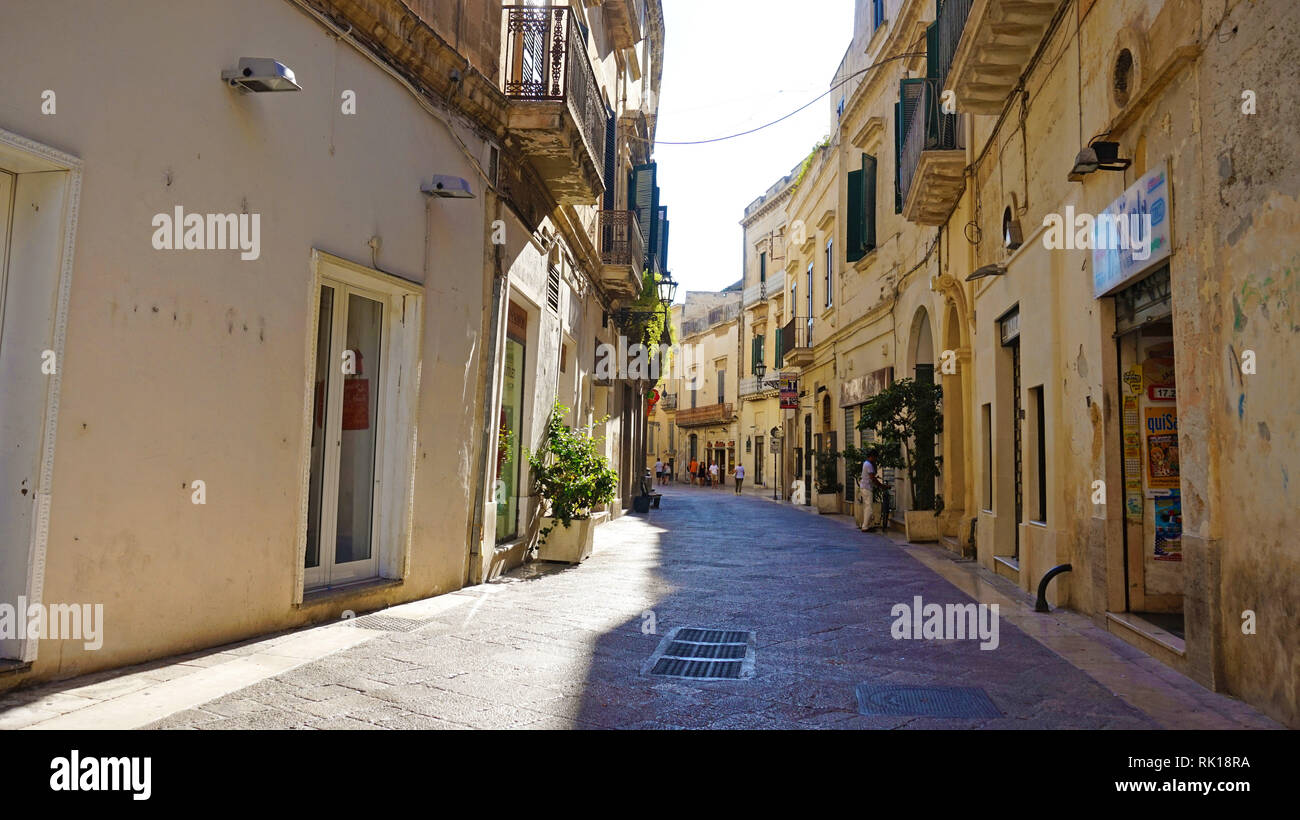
pixel 954 370
pixel 922 360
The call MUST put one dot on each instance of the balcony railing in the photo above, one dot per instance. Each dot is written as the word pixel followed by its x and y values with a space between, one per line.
pixel 621 242
pixel 763 291
pixel 796 335
pixel 708 414
pixel 545 61
pixel 930 186
pixel 751 386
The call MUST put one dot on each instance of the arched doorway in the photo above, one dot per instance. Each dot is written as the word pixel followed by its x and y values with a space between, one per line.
pixel 954 370
pixel 922 361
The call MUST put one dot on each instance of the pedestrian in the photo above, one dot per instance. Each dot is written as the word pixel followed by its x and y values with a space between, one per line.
pixel 713 474
pixel 703 473
pixel 659 470
pixel 692 471
pixel 740 477
pixel 865 492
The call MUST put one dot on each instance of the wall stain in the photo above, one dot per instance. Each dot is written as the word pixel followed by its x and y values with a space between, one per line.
pixel 1263 432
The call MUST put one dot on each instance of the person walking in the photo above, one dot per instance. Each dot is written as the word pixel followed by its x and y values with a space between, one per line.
pixel 693 470
pixel 740 477
pixel 713 474
pixel 659 470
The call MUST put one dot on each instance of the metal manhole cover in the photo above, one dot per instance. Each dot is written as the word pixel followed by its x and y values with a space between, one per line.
pixel 388 623
pixel 926 701
pixel 703 654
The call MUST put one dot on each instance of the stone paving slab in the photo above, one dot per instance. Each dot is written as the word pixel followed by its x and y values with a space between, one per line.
pixel 551 647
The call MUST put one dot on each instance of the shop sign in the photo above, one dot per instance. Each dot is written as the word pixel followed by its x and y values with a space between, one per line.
pixel 789 390
pixel 856 391
pixel 1116 263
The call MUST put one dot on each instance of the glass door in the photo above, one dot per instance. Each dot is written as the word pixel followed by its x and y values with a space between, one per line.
pixel 341 544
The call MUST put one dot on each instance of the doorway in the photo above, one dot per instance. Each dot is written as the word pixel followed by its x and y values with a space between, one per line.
pixel 341 506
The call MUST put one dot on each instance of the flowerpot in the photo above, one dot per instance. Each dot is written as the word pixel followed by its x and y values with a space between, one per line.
pixel 828 503
pixel 921 525
pixel 569 545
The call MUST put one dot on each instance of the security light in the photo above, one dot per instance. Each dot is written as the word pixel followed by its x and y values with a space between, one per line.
pixel 257 74
pixel 1099 155
pixel 448 187
pixel 996 269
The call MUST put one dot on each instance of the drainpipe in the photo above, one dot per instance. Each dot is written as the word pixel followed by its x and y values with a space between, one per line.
pixel 1041 604
pixel 489 382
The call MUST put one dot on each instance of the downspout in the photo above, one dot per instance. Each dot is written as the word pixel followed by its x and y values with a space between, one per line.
pixel 488 358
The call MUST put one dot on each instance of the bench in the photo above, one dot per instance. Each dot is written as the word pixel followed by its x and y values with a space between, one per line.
pixel 648 498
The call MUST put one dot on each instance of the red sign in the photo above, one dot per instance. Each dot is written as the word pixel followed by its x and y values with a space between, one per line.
pixel 356 404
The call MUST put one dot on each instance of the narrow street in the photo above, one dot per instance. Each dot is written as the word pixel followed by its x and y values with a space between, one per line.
pixel 556 647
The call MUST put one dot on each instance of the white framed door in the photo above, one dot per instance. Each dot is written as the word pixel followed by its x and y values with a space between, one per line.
pixel 362 414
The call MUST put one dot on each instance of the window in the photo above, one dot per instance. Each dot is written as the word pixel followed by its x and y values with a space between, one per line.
pixel 722 386
pixel 756 353
pixel 762 267
pixel 1040 447
pixel 809 307
pixel 986 426
pixel 830 266
pixel 877 13
pixel 553 290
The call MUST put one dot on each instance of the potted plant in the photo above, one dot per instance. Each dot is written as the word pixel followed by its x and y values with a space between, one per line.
pixel 827 479
pixel 571 478
pixel 906 418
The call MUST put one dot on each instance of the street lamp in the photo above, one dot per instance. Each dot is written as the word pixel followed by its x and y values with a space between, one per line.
pixel 667 290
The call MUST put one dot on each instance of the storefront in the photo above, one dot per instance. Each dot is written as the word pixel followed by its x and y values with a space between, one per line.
pixel 1138 280
pixel 512 404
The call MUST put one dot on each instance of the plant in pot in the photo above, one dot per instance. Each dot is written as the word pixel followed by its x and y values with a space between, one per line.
pixel 906 418
pixel 571 478
pixel 827 479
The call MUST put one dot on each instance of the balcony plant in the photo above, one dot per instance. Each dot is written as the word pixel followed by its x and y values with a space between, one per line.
pixel 827 480
pixel 905 417
pixel 571 478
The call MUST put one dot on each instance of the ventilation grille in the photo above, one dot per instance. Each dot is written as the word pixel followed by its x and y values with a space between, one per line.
pixel 925 701
pixel 704 654
pixel 553 290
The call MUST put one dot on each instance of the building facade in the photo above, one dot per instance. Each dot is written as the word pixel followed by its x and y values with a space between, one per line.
pixel 259 366
pixel 1078 217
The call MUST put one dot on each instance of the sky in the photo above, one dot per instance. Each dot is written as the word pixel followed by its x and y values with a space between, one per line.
pixel 731 65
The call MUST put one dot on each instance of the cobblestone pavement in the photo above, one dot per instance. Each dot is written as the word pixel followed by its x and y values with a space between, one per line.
pixel 550 647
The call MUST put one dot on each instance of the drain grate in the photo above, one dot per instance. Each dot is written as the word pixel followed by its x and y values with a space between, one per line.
pixel 926 701
pixel 704 654
pixel 388 623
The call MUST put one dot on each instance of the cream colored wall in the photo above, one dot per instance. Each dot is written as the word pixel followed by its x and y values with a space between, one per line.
pixel 189 365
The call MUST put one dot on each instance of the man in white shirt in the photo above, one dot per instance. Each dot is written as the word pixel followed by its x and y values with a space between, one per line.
pixel 866 484
pixel 713 474
pixel 740 477
pixel 659 471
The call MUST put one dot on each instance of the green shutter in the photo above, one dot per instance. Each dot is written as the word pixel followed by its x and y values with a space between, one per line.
pixel 780 359
pixel 645 202
pixel 753 354
pixel 898 153
pixel 853 246
pixel 868 203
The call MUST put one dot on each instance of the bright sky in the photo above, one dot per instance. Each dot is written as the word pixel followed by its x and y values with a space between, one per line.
pixel 731 65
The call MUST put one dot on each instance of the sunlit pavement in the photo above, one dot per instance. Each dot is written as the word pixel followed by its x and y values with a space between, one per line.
pixel 564 647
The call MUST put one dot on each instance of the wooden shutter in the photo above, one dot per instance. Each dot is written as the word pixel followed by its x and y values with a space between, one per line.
pixel 853 244
pixel 868 203
pixel 662 247
pixel 646 205
pixel 611 161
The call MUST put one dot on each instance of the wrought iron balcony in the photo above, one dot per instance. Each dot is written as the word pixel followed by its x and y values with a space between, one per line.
pixel 622 253
pixel 994 47
pixel 761 292
pixel 625 21
pixel 556 114
pixel 709 414
pixel 932 168
pixel 796 342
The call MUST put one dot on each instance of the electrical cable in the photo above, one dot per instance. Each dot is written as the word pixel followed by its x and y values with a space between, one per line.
pixel 806 105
